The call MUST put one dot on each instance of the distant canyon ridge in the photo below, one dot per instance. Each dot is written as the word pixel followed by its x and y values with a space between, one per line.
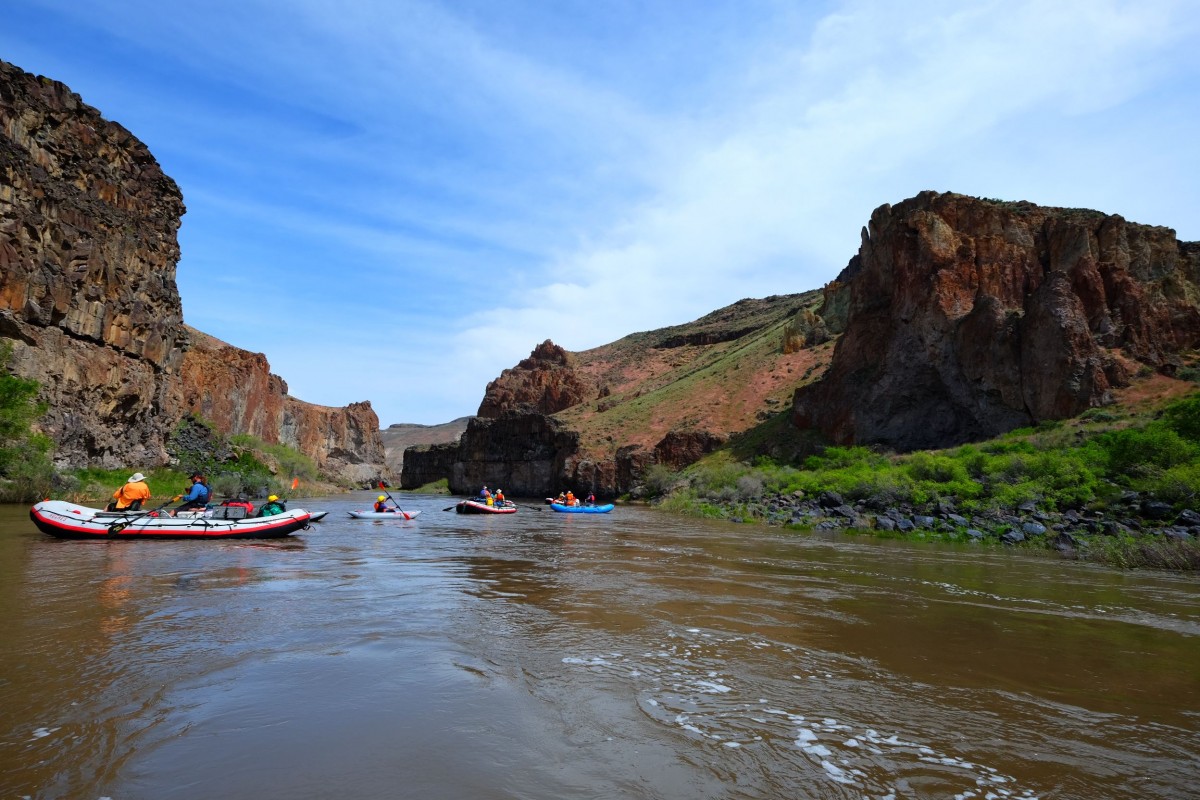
pixel 959 318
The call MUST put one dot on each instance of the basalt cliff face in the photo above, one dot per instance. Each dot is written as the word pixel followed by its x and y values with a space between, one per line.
pixel 88 299
pixel 88 249
pixel 966 318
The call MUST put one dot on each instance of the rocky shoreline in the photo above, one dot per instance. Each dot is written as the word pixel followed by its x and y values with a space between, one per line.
pixel 1132 515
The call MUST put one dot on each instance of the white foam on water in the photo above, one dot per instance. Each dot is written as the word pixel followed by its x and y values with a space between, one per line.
pixel 836 772
pixel 733 744
pixel 587 662
pixel 711 687
pixel 42 733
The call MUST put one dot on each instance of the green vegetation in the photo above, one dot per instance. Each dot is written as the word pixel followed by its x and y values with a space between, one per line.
pixel 441 486
pixel 26 473
pixel 95 486
pixel 1097 465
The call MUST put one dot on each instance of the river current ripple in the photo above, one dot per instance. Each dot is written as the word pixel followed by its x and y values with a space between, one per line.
pixel 633 654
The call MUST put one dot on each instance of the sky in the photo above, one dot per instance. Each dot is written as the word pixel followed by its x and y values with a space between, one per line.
pixel 395 200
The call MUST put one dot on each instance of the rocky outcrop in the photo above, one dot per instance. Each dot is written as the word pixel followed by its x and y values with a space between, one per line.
pixel 428 463
pixel 544 383
pixel 236 391
pixel 523 454
pixel 88 251
pixel 967 318
pixel 399 438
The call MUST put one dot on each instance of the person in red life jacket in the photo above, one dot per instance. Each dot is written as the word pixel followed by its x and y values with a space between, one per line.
pixel 591 499
pixel 381 505
pixel 499 497
pixel 196 497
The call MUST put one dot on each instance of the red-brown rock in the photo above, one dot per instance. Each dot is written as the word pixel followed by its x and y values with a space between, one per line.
pixel 545 383
pixel 970 317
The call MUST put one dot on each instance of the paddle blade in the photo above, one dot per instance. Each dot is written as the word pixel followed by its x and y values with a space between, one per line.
pixel 295 483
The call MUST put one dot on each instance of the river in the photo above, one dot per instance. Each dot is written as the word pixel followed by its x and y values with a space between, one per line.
pixel 542 655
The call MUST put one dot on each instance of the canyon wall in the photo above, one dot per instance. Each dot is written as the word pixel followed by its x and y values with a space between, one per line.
pixel 88 250
pixel 236 390
pixel 966 318
pixel 89 302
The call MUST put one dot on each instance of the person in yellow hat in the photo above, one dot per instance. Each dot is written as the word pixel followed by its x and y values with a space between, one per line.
pixel 273 506
pixel 381 505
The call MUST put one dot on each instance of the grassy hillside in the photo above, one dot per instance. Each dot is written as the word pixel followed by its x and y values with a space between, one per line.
pixel 723 373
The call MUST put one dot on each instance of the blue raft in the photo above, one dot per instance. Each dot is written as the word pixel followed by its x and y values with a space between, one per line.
pixel 604 509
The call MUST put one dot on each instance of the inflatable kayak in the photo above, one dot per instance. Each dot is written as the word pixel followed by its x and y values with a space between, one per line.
pixel 604 509
pixel 383 514
pixel 477 507
pixel 70 521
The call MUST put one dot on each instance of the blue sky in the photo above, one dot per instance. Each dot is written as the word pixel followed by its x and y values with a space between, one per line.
pixel 396 200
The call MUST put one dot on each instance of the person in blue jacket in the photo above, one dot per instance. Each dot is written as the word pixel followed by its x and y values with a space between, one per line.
pixel 196 497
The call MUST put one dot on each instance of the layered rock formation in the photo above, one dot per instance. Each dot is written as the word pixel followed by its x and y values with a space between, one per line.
pixel 88 253
pixel 236 390
pixel 966 318
pixel 88 250
pixel 544 383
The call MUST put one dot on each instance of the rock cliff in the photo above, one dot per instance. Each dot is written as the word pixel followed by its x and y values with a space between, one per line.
pixel 236 391
pixel 88 254
pixel 88 250
pixel 544 383
pixel 965 318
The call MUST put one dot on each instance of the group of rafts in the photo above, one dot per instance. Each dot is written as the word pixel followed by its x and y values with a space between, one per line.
pixel 71 521
pixel 481 505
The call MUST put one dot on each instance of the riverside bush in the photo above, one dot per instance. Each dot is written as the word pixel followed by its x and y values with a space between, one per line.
pixel 26 473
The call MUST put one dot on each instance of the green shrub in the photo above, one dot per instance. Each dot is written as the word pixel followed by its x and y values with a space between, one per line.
pixel 26 472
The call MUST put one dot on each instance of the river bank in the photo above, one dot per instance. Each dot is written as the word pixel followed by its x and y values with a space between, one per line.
pixel 1135 532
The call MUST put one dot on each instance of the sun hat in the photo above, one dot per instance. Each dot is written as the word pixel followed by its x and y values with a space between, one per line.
pixel 135 477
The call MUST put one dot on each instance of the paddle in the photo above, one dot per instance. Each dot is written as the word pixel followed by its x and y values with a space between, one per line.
pixel 122 524
pixel 389 497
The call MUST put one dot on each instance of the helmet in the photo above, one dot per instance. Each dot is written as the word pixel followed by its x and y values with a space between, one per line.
pixel 381 498
pixel 272 498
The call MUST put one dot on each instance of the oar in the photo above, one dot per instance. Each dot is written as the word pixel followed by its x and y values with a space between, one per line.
pixel 389 497
pixel 122 524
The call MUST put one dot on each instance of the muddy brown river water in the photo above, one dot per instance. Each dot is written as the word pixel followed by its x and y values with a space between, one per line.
pixel 632 655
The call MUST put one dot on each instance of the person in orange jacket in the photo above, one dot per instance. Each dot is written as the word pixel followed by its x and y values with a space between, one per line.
pixel 131 496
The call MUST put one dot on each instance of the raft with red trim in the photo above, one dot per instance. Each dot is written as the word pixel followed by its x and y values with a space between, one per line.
pixel 481 507
pixel 70 521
